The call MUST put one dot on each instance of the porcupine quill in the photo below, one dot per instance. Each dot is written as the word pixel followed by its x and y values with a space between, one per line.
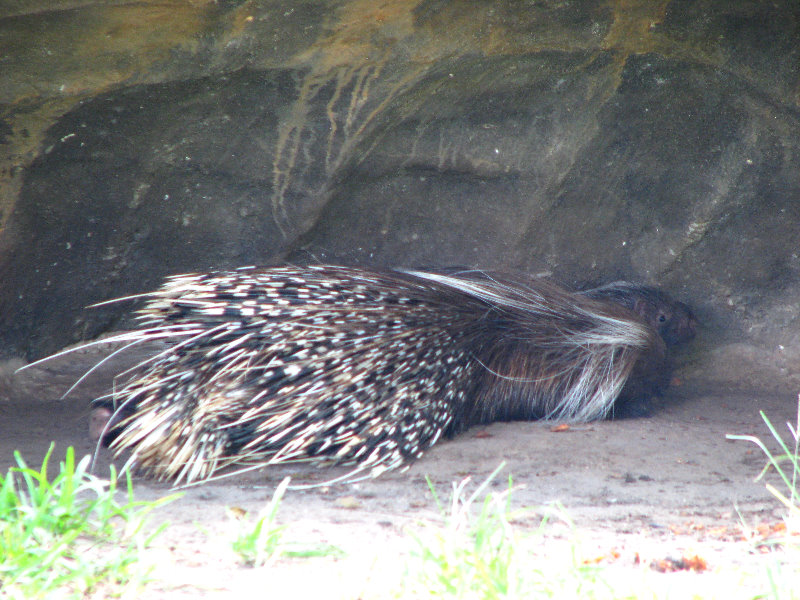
pixel 370 368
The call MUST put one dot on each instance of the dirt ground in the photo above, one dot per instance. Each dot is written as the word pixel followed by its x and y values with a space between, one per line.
pixel 643 489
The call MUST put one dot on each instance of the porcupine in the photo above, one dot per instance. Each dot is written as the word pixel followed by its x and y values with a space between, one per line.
pixel 365 368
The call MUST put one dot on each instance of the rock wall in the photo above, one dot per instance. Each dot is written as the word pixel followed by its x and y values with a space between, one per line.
pixel 657 141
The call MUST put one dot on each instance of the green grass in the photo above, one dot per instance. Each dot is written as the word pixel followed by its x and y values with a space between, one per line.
pixel 259 543
pixel 786 464
pixel 262 542
pixel 477 552
pixel 69 534
pixel 468 554
pixel 783 572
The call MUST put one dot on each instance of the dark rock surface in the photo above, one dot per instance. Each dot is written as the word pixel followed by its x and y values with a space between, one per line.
pixel 591 141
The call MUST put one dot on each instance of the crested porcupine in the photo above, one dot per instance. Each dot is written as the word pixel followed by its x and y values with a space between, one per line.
pixel 367 368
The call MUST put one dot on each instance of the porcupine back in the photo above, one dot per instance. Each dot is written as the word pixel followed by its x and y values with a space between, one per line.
pixel 364 368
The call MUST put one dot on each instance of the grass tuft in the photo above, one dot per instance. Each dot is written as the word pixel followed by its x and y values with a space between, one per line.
pixel 477 553
pixel 260 543
pixel 68 535
pixel 786 464
pixel 782 572
pixel 471 554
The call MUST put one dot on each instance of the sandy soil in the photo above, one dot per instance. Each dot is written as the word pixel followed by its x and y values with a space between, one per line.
pixel 643 489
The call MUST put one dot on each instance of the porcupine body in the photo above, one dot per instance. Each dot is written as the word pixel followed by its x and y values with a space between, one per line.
pixel 365 368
